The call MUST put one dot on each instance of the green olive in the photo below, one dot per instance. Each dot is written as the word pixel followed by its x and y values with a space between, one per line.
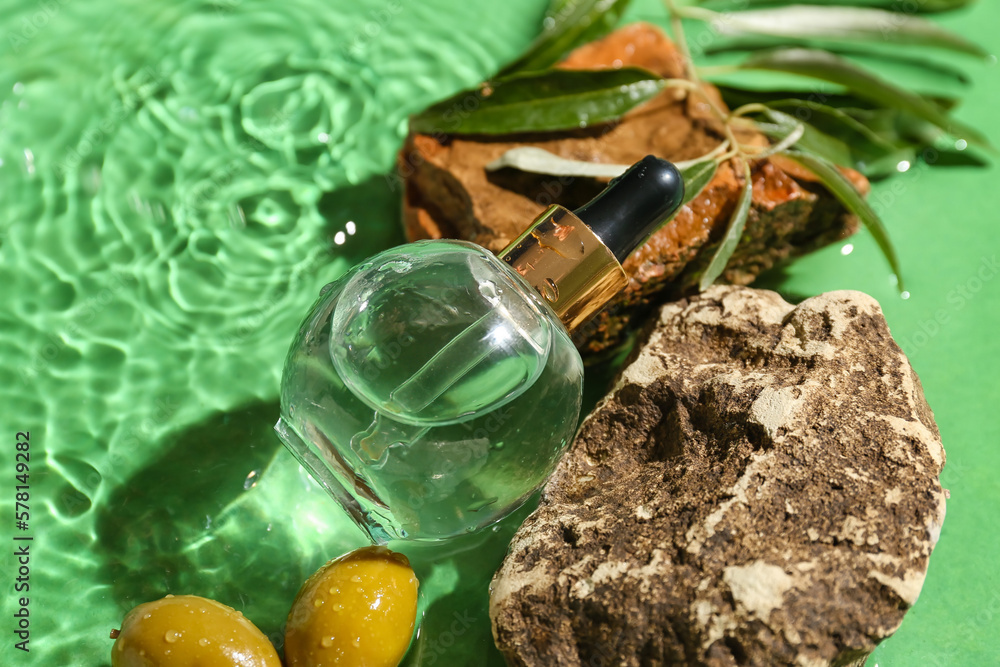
pixel 190 631
pixel 357 610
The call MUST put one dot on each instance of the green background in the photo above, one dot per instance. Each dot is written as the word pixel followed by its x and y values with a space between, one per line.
pixel 167 215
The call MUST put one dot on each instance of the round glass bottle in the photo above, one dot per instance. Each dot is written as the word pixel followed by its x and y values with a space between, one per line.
pixel 430 391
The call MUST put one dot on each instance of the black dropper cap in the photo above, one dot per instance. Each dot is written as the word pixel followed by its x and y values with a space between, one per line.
pixel 634 204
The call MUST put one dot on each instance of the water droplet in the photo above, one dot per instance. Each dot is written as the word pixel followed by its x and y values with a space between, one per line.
pixel 961 145
pixel 847 249
pixel 146 615
pixel 396 266
pixel 904 295
pixel 338 607
pixel 350 227
pixel 171 636
pixel 323 137
pixel 326 642
pixel 334 590
pixel 317 603
pixel 489 290
pixel 550 290
pixel 356 642
pixel 356 579
pixel 203 642
pixel 903 166
pixel 251 480
pixel 339 238
pixel 482 504
pixel 549 23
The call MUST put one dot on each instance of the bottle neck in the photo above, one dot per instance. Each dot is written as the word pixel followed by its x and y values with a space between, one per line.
pixel 567 263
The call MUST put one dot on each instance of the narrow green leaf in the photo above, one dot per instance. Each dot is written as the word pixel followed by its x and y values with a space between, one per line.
pixel 827 117
pixel 841 188
pixel 923 6
pixel 542 101
pixel 696 177
pixel 568 24
pixel 843 141
pixel 556 7
pixel 733 233
pixel 826 66
pixel 812 139
pixel 844 23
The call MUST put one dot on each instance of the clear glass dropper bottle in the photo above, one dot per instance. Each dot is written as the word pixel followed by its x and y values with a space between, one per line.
pixel 433 387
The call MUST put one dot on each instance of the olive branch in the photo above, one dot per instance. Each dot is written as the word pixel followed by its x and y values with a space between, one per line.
pixel 854 117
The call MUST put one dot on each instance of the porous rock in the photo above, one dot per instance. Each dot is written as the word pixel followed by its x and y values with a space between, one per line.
pixel 759 488
pixel 448 193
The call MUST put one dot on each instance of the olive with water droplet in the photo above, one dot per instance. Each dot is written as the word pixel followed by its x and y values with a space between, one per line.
pixel 190 631
pixel 365 616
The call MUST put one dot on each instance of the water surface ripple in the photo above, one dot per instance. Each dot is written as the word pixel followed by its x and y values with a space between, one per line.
pixel 176 180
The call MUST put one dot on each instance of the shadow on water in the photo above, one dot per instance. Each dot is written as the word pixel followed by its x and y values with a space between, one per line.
pixel 374 207
pixel 182 524
pixel 156 533
pixel 455 628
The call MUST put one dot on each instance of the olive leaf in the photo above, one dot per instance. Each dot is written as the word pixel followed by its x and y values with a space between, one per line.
pixel 540 161
pixel 841 139
pixel 568 24
pixel 811 138
pixel 836 122
pixel 843 23
pixel 923 6
pixel 541 101
pixel 733 232
pixel 826 66
pixel 696 176
pixel 846 194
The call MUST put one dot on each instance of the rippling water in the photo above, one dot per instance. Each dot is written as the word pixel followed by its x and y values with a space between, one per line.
pixel 176 184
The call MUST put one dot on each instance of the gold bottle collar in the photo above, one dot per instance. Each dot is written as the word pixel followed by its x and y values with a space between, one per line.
pixel 568 264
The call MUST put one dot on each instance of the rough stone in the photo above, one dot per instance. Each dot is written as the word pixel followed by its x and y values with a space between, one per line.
pixel 448 193
pixel 760 487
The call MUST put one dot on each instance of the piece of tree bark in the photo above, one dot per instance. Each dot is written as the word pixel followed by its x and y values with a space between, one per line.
pixel 448 193
pixel 761 487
